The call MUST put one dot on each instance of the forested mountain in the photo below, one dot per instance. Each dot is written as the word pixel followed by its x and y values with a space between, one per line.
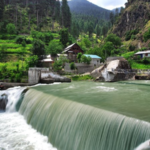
pixel 85 7
pixel 35 14
pixel 88 17
pixel 134 23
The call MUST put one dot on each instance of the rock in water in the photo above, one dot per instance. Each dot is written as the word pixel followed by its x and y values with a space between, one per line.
pixel 114 69
pixel 3 102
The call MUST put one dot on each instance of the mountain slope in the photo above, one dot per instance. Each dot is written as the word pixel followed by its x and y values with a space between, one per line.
pixel 84 7
pixel 135 16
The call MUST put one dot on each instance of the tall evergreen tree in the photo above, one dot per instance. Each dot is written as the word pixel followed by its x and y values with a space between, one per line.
pixel 66 14
pixel 57 10
pixel 2 6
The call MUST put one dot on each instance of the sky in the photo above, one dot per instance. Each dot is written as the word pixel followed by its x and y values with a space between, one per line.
pixel 109 4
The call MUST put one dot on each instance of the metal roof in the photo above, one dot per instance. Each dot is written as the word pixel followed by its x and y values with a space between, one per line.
pixel 92 56
pixel 47 60
pixel 68 48
pixel 142 52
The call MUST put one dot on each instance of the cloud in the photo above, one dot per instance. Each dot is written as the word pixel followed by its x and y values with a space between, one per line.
pixel 109 4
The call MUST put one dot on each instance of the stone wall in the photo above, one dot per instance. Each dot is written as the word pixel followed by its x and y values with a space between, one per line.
pixel 34 75
pixel 81 68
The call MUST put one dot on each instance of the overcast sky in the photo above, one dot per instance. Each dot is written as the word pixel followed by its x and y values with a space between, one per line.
pixel 109 4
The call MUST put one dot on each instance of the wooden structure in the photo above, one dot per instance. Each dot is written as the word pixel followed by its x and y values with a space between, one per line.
pixel 72 52
pixel 47 62
pixel 143 54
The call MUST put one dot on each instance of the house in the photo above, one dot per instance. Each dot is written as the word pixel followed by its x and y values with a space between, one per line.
pixel 95 60
pixel 72 52
pixel 47 62
pixel 143 54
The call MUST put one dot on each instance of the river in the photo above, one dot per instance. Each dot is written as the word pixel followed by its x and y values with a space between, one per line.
pixel 77 116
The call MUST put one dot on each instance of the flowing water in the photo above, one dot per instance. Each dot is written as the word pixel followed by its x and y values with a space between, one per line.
pixel 78 116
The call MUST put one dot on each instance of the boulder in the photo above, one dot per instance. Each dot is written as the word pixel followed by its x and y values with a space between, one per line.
pixel 3 102
pixel 114 69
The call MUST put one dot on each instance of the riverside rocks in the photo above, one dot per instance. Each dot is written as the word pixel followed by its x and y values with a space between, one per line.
pixel 114 69
pixel 3 102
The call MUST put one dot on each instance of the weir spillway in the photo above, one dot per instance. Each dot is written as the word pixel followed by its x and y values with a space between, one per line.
pixel 80 122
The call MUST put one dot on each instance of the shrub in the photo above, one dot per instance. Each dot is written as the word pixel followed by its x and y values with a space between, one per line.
pixel 18 77
pixel 86 59
pixel 146 61
pixel 72 66
pixel 130 33
pixel 131 47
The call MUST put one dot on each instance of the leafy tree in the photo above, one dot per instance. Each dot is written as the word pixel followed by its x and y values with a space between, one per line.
pixel 79 57
pixel 64 36
pixel 38 48
pixel 114 39
pixel 87 42
pixel 54 48
pixel 31 61
pixel 107 48
pixel 57 66
pixel 86 59
pixel 11 28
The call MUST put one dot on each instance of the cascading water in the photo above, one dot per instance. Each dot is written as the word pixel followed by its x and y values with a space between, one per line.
pixel 71 125
pixel 15 133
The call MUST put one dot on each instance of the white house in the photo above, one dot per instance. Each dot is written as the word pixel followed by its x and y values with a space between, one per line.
pixel 143 54
pixel 96 60
pixel 47 62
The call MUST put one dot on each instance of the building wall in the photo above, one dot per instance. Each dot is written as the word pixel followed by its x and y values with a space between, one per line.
pixel 34 75
pixel 95 62
pixel 81 68
pixel 146 55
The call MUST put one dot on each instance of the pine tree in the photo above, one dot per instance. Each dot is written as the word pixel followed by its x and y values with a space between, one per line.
pixel 66 14
pixel 2 6
pixel 57 11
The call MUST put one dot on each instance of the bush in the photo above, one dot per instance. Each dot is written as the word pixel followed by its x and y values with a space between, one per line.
pixel 146 61
pixel 86 59
pixel 72 66
pixel 45 37
pixel 130 33
pixel 18 77
pixel 38 47
pixel 131 48
pixel 20 39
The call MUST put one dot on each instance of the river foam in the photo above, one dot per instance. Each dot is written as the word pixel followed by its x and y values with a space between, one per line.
pixel 16 134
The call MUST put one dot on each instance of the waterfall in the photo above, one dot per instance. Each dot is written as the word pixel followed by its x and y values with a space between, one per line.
pixel 73 126
pixel 13 95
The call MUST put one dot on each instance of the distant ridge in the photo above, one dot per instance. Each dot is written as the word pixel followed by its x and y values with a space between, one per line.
pixel 84 7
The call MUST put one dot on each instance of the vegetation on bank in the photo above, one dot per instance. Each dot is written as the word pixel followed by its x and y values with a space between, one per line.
pixel 82 78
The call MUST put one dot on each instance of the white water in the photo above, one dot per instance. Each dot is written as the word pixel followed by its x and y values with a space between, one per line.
pixel 15 133
pixel 144 146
